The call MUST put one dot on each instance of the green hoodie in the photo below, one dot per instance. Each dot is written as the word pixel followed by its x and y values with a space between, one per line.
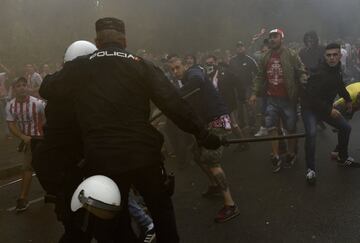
pixel 293 70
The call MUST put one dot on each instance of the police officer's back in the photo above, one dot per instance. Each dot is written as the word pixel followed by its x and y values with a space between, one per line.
pixel 111 90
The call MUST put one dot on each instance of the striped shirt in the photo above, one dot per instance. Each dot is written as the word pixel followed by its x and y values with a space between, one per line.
pixel 29 115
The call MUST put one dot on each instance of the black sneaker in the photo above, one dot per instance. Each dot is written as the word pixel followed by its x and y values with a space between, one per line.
pixel 349 162
pixel 21 205
pixel 227 213
pixel 290 160
pixel 212 191
pixel 276 164
pixel 149 236
pixel 282 147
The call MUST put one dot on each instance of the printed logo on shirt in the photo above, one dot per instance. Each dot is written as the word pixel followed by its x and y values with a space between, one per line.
pixel 114 54
pixel 275 72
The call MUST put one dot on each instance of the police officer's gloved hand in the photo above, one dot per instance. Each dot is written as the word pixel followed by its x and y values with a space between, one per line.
pixel 209 140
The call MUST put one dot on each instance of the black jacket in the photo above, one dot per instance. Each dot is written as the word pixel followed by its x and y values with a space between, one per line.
pixel 245 69
pixel 207 102
pixel 226 85
pixel 111 90
pixel 322 88
pixel 312 58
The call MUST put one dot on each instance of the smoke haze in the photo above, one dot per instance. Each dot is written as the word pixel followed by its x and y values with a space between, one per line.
pixel 40 30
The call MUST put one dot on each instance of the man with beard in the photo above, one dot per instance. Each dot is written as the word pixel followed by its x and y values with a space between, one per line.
pixel 281 72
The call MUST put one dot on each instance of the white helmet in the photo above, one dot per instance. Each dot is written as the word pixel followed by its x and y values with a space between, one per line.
pixel 79 48
pixel 99 195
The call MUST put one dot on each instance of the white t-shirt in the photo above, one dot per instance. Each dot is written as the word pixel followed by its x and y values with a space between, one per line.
pixel 34 80
pixel 29 115
pixel 344 56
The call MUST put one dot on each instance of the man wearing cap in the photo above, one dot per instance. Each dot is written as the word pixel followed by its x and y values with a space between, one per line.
pixel 244 69
pixel 280 73
pixel 111 90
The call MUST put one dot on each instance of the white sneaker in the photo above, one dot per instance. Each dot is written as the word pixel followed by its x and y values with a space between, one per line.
pixel 311 176
pixel 262 132
pixel 149 237
pixel 349 162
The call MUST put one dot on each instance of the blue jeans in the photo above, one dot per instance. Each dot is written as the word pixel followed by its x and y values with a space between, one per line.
pixel 310 122
pixel 280 108
pixel 138 213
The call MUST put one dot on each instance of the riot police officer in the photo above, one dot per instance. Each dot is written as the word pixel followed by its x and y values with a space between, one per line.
pixel 111 92
pixel 56 157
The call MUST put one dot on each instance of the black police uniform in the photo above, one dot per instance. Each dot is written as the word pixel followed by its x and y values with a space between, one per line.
pixel 56 159
pixel 111 90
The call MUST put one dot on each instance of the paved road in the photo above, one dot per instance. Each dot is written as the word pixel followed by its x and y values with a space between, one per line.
pixel 274 207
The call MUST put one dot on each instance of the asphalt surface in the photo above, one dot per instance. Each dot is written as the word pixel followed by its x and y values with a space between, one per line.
pixel 274 207
pixel 10 159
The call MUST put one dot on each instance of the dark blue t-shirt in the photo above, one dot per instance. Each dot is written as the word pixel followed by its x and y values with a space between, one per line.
pixel 207 101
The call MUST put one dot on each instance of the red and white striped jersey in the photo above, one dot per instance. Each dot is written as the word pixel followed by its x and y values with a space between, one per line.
pixel 29 115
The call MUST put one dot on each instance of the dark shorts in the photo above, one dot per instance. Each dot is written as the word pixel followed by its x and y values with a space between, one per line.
pixel 210 158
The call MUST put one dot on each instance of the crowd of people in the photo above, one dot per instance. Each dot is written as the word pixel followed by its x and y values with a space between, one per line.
pixel 259 89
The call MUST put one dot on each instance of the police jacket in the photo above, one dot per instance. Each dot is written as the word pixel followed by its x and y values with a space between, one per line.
pixel 56 157
pixel 61 128
pixel 207 101
pixel 322 88
pixel 111 91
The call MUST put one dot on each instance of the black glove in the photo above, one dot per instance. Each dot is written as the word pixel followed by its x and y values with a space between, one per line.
pixel 210 141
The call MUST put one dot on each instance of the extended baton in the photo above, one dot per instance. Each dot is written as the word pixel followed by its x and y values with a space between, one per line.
pixel 226 141
pixel 184 97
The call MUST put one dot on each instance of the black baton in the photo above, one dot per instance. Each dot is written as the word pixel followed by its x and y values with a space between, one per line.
pixel 226 141
pixel 184 97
